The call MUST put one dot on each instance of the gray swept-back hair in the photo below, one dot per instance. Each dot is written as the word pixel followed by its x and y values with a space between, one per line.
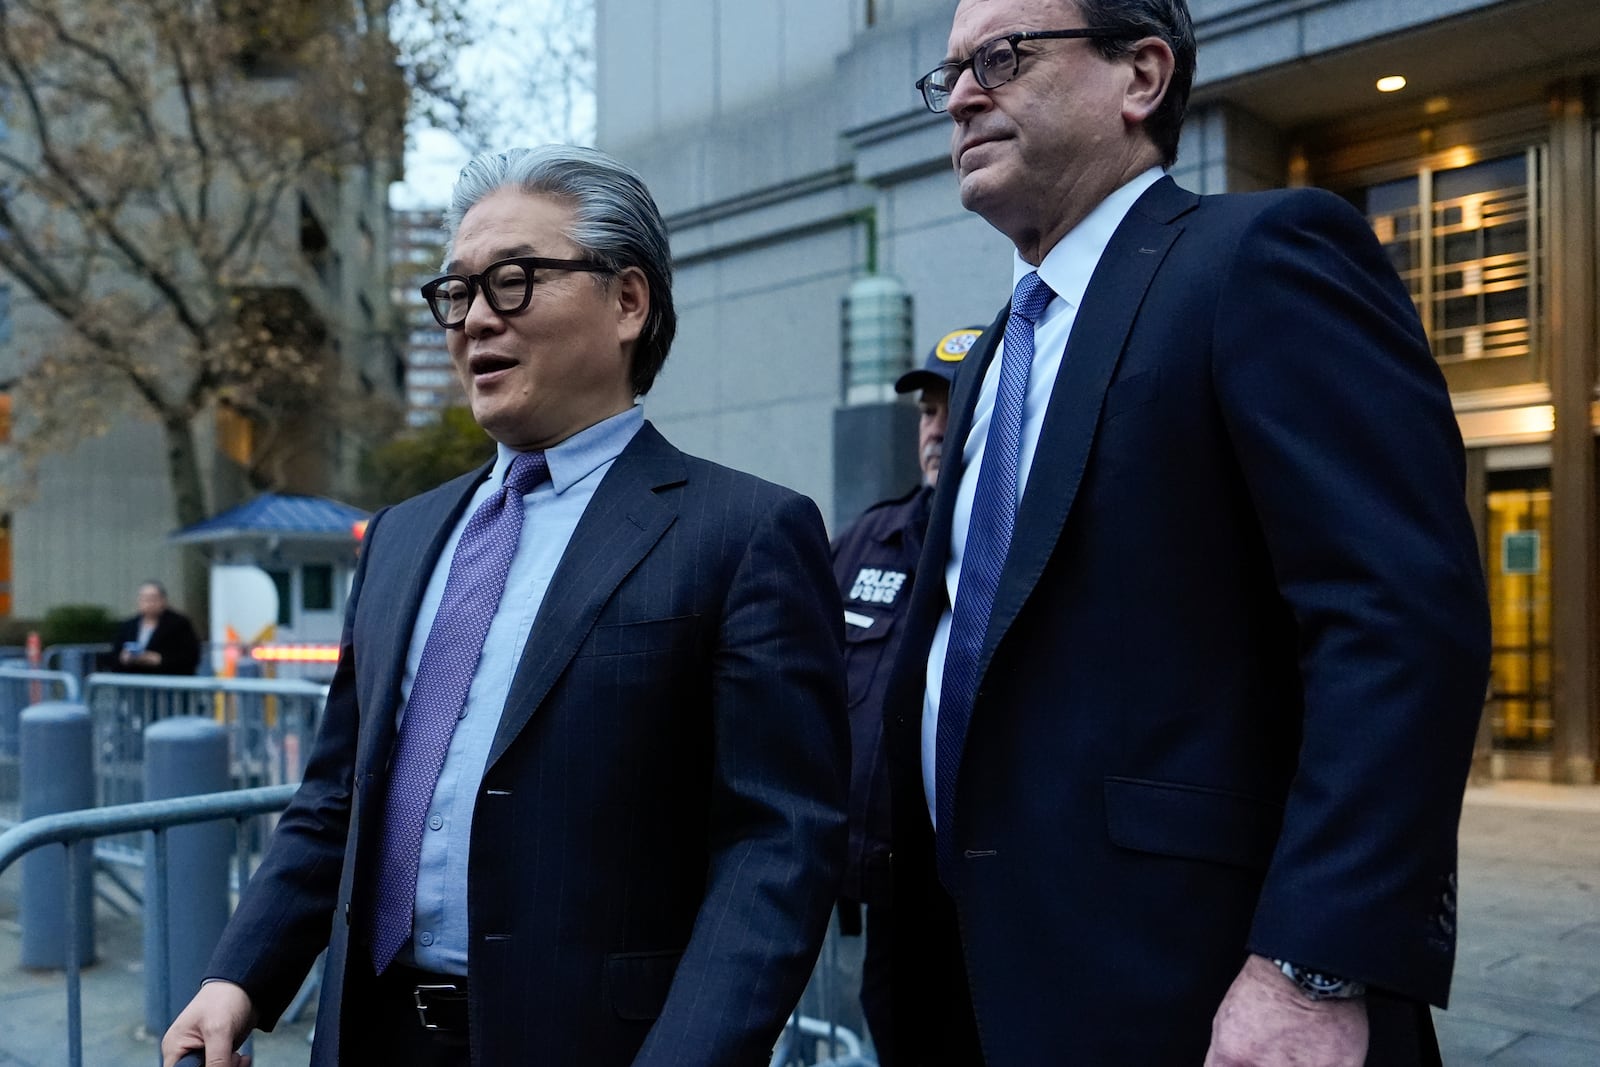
pixel 615 222
pixel 1168 20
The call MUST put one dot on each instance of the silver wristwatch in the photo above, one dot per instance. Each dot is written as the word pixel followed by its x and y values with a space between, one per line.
pixel 1319 986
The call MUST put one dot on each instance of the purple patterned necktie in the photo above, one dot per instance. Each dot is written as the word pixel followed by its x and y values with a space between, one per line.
pixel 439 695
pixel 994 516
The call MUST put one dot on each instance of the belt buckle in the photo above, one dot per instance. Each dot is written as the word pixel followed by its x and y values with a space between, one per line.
pixel 420 995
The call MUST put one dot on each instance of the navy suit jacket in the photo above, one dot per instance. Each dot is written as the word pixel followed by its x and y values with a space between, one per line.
pixel 1236 661
pixel 660 830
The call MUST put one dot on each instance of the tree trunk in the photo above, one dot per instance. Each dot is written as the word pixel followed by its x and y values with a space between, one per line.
pixel 183 470
pixel 189 507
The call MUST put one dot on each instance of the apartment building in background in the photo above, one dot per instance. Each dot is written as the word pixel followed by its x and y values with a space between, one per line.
pixel 430 384
pixel 98 519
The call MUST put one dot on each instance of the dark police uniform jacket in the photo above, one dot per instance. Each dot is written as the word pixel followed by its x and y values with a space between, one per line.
pixel 874 561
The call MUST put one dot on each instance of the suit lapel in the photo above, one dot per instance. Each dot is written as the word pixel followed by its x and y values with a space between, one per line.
pixel 907 677
pixel 623 521
pixel 393 596
pixel 1099 333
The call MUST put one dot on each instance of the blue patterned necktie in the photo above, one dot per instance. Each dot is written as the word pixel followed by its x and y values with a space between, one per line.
pixel 994 515
pixel 439 695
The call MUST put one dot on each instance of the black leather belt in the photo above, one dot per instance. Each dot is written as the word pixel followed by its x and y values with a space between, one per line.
pixel 440 999
pixel 441 1006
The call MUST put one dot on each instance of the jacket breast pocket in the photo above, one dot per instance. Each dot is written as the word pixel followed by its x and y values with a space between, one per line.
pixel 676 634
pixel 637 982
pixel 1134 391
pixel 866 637
pixel 1191 822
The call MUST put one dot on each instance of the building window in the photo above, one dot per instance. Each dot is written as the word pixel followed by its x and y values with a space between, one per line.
pixel 236 435
pixel 1469 242
pixel 316 587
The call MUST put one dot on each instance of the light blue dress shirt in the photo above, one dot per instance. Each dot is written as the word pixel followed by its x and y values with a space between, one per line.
pixel 1066 268
pixel 551 512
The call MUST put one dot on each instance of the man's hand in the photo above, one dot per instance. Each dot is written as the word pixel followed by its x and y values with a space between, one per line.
pixel 216 1020
pixel 1264 1021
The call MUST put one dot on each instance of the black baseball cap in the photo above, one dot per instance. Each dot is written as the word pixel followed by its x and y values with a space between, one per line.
pixel 943 359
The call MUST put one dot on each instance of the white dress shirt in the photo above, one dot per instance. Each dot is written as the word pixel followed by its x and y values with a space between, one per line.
pixel 1067 269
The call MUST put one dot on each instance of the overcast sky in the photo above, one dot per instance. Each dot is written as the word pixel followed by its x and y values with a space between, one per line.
pixel 500 69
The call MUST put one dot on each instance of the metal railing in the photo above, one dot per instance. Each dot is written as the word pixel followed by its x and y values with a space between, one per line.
pixel 153 817
pixel 271 725
pixel 826 1028
pixel 80 660
pixel 814 1034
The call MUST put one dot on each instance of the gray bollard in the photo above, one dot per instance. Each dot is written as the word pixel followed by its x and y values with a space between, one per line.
pixel 57 775
pixel 185 756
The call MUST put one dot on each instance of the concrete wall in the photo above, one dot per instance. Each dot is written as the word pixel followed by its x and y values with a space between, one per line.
pixel 97 526
pixel 788 162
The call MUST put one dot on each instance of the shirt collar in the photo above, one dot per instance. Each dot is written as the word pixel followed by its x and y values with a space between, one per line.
pixel 580 455
pixel 1068 266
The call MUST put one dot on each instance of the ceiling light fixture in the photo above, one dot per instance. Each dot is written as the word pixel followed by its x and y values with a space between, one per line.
pixel 1391 83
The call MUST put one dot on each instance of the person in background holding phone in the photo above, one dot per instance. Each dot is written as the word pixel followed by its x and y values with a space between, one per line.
pixel 157 640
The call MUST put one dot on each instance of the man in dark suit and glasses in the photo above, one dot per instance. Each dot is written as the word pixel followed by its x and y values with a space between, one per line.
pixel 1190 680
pixel 578 796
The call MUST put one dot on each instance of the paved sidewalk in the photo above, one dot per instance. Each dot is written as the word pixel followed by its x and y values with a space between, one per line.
pixel 1527 987
pixel 33 1004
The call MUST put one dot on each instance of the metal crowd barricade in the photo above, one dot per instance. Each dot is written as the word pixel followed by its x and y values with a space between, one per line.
pixel 20 688
pixel 77 660
pixel 271 725
pixel 154 817
pixel 826 1029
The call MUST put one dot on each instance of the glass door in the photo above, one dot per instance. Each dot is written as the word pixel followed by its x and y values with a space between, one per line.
pixel 1519 599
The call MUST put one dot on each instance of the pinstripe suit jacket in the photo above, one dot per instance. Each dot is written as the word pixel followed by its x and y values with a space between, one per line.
pixel 659 833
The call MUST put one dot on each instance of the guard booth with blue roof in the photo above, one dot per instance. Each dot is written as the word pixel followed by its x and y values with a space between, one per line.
pixel 281 567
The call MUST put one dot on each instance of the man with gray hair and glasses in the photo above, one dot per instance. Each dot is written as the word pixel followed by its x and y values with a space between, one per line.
pixel 578 794
pixel 1190 679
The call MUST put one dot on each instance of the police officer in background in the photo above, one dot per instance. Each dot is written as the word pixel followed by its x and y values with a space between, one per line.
pixel 874 562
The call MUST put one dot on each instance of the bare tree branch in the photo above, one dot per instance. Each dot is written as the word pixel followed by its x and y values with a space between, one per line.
pixel 150 185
